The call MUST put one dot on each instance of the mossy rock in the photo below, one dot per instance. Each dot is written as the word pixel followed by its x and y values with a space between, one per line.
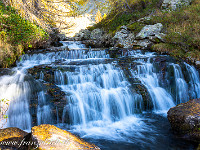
pixel 50 137
pixel 185 119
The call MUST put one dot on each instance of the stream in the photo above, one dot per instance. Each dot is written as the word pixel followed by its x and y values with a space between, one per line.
pixel 114 99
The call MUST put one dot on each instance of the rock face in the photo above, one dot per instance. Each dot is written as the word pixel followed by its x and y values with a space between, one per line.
pixel 185 119
pixel 175 4
pixel 51 137
pixel 55 97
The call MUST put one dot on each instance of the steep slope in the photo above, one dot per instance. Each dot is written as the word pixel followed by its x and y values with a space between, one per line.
pixel 16 35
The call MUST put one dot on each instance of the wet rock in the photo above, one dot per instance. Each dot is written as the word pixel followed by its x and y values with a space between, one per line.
pixel 185 119
pixel 93 43
pixel 6 71
pixel 149 30
pixel 96 34
pixel 51 137
pixel 54 95
pixel 175 4
pixel 46 71
pixel 10 138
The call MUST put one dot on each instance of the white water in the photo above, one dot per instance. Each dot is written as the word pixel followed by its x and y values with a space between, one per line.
pixel 101 103
pixel 98 93
pixel 43 110
pixel 181 85
pixel 17 90
pixel 162 100
pixel 194 81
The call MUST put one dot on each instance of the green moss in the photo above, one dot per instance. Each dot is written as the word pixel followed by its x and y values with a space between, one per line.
pixel 16 35
pixel 136 27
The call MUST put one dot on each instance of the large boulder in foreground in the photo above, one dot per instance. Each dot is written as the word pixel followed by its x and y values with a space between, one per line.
pixel 51 137
pixel 185 119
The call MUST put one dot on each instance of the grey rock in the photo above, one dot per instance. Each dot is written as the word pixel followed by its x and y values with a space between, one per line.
pixel 96 34
pixel 124 38
pixel 197 62
pixel 144 44
pixel 175 4
pixel 150 30
pixel 83 35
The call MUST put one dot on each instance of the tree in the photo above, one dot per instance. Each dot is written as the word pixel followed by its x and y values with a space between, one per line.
pixel 98 17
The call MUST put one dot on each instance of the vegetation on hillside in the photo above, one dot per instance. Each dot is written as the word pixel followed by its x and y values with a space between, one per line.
pixel 16 35
pixel 182 27
pixel 182 31
pixel 127 12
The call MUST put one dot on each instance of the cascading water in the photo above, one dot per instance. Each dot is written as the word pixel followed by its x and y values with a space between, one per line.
pixel 194 81
pixel 17 90
pixel 181 85
pixel 43 110
pixel 161 99
pixel 101 99
pixel 98 93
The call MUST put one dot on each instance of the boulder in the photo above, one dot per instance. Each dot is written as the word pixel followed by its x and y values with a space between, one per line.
pixel 11 137
pixel 185 119
pixel 122 34
pixel 149 30
pixel 175 4
pixel 83 34
pixel 143 44
pixel 50 137
pixel 124 38
pixel 96 34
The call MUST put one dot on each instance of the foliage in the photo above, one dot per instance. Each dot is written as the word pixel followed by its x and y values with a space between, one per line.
pixel 125 12
pixel 98 17
pixel 183 30
pixel 16 34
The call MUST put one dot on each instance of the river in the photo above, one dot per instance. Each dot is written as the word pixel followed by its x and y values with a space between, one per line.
pixel 115 99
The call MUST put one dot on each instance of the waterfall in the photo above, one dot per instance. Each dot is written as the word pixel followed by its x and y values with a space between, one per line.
pixel 194 81
pixel 181 85
pixel 17 90
pixel 43 110
pixel 101 99
pixel 162 100
pixel 98 93
pixel 73 44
